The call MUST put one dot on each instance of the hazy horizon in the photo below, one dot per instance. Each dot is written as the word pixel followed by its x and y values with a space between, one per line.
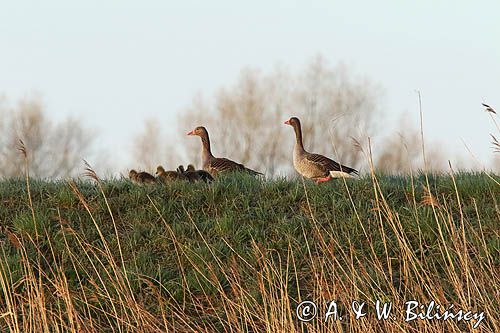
pixel 115 64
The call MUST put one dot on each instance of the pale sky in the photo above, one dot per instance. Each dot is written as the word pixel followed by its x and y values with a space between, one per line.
pixel 114 63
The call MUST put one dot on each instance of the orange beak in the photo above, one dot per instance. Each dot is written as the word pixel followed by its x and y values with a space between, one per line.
pixel 191 133
pixel 287 122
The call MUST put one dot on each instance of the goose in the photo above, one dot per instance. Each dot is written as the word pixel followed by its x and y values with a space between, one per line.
pixel 141 177
pixel 315 166
pixel 215 165
pixel 194 175
pixel 167 176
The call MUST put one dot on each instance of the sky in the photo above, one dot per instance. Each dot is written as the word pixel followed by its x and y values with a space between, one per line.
pixel 115 63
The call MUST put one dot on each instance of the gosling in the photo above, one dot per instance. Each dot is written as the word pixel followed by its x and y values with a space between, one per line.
pixel 168 176
pixel 141 177
pixel 195 175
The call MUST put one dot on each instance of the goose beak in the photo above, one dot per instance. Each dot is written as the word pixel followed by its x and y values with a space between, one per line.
pixel 191 133
pixel 287 122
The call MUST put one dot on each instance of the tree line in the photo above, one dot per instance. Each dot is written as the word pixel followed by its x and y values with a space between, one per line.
pixel 339 110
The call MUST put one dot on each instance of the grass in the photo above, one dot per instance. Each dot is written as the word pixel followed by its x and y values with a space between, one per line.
pixel 240 254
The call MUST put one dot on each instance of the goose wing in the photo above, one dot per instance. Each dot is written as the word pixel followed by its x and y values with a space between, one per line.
pixel 327 165
pixel 224 165
pixel 217 165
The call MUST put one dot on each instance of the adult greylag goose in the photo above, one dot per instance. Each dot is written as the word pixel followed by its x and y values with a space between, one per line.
pixel 215 165
pixel 141 177
pixel 194 175
pixel 168 176
pixel 315 166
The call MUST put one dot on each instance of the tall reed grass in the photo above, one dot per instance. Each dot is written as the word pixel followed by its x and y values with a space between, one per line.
pixel 240 255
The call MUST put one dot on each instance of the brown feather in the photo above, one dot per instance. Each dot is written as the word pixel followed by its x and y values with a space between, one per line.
pixel 314 166
pixel 141 177
pixel 218 165
pixel 144 177
pixel 327 164
pixel 215 165
pixel 167 176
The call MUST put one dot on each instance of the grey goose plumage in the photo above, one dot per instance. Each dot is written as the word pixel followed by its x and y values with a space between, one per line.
pixel 315 166
pixel 217 165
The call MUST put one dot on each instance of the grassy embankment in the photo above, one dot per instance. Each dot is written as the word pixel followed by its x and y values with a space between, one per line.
pixel 240 254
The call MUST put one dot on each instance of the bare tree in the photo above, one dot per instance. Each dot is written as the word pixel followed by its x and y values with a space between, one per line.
pixel 244 122
pixel 401 152
pixel 336 107
pixel 245 119
pixel 152 148
pixel 147 145
pixel 54 150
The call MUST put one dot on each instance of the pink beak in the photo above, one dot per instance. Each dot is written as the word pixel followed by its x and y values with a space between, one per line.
pixel 191 133
pixel 287 122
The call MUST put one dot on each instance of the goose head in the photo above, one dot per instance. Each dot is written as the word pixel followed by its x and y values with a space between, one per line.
pixel 132 174
pixel 160 170
pixel 294 122
pixel 199 131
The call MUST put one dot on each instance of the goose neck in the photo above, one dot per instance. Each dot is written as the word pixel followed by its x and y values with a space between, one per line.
pixel 206 151
pixel 298 137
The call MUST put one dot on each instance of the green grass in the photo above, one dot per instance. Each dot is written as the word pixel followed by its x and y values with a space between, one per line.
pixel 239 254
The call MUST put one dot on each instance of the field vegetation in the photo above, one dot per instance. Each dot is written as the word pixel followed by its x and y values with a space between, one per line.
pixel 240 254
